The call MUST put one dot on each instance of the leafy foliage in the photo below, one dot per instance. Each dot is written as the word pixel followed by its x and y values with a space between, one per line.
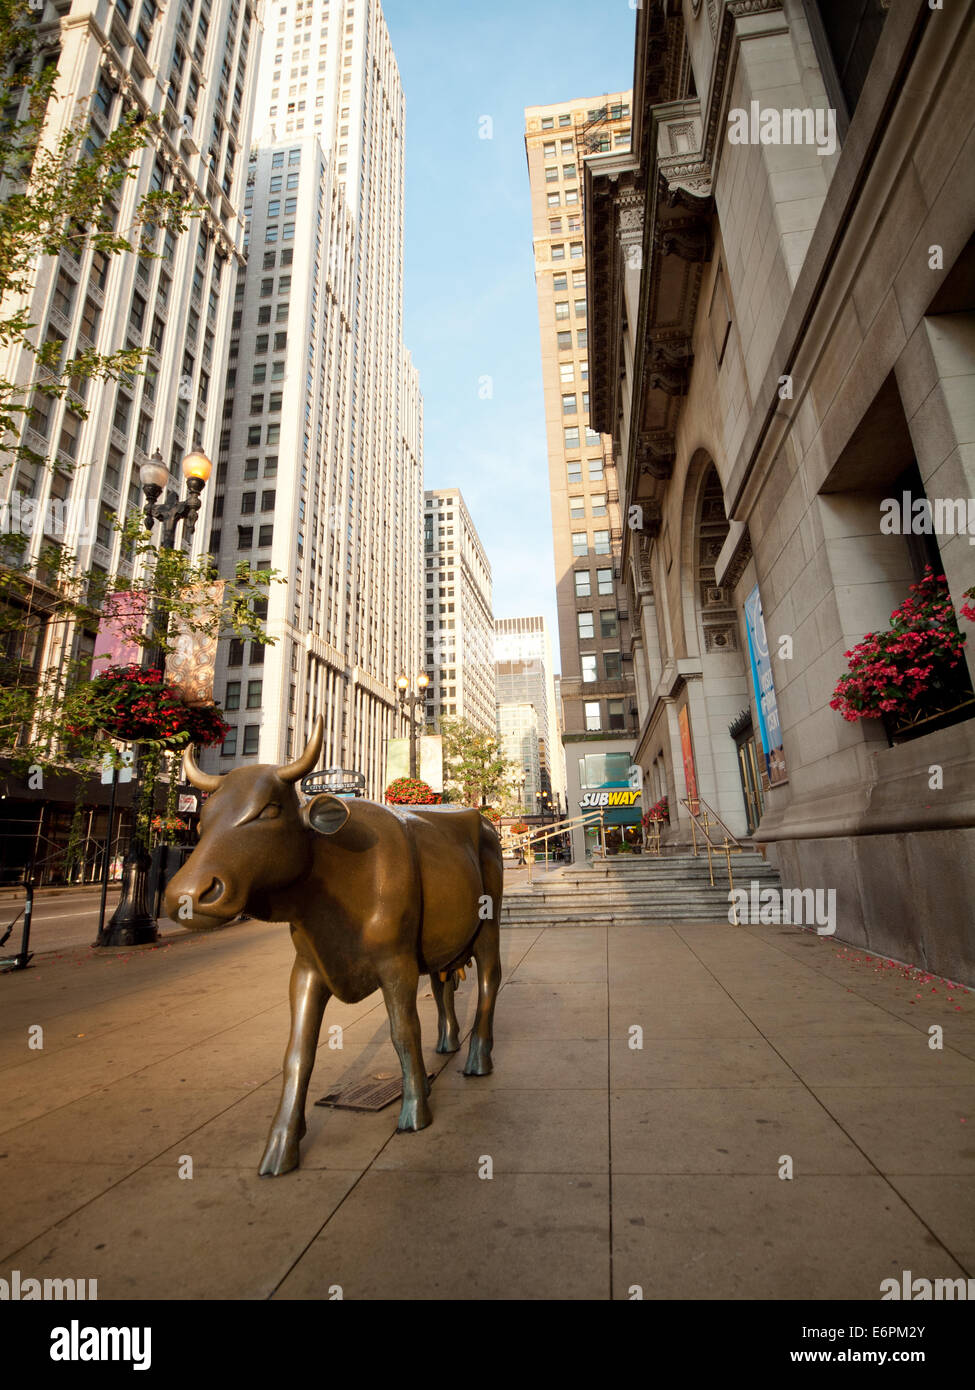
pixel 473 763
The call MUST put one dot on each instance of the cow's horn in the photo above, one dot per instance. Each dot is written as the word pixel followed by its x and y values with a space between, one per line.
pixel 309 757
pixel 206 781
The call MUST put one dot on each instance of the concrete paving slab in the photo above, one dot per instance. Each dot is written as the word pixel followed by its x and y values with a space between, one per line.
pixel 37 1194
pixel 945 1205
pixel 551 1012
pixel 727 1130
pixel 409 1235
pixel 213 1236
pixel 697 1063
pixel 874 1060
pixel 535 1066
pixel 738 1237
pixel 521 1132
pixel 909 1129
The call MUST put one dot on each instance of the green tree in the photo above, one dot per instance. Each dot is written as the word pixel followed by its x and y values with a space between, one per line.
pixel 474 765
pixel 60 193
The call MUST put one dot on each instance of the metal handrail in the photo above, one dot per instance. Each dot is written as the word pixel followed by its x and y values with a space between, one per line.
pixel 544 833
pixel 730 845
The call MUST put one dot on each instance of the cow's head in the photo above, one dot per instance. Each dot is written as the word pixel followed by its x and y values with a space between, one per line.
pixel 255 837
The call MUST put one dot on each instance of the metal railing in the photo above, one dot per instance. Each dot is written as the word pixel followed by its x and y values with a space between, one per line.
pixel 703 817
pixel 527 840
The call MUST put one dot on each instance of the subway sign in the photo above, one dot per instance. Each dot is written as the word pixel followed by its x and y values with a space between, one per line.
pixel 597 800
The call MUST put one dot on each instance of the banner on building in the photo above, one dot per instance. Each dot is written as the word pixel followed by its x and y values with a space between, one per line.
pixel 769 725
pixel 687 754
pixel 191 665
pixel 429 760
pixel 122 620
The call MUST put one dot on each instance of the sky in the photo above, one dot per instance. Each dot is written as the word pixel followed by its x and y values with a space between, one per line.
pixel 470 312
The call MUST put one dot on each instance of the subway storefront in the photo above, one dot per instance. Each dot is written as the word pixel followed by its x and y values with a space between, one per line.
pixel 605 788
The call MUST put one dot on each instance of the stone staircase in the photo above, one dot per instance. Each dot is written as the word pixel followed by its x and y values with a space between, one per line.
pixel 632 890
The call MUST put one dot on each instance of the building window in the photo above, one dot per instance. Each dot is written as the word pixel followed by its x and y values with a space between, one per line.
pixel 569 404
pixel 235 652
pixel 580 543
pixel 251 738
pixel 254 689
pixel 595 469
pixel 614 668
pixel 232 697
pixel 589 667
pixel 598 501
pixel 608 624
pixel 564 342
pixel 583 584
pixel 245 537
pixel 600 542
pixel 586 627
pixel 616 717
pixel 577 506
pixel 604 582
pixel 247 501
pixel 593 724
pixel 228 749
pixel 572 437
pixel 574 470
pixel 562 309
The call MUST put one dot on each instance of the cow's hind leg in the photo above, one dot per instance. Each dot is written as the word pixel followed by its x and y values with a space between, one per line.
pixel 399 980
pixel 487 953
pixel 448 1035
pixel 309 995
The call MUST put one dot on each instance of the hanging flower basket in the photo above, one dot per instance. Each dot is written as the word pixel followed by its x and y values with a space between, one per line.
pixel 659 811
pixel 168 826
pixel 136 705
pixel 914 671
pixel 492 814
pixel 410 791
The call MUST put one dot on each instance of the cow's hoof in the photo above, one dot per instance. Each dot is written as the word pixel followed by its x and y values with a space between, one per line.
pixel 414 1115
pixel 448 1044
pixel 478 1060
pixel 280 1156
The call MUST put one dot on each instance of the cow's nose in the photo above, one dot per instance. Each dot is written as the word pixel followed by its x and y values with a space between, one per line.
pixel 212 894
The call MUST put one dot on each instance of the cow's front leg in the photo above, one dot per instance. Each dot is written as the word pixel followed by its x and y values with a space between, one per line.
pixel 399 981
pixel 448 1034
pixel 309 995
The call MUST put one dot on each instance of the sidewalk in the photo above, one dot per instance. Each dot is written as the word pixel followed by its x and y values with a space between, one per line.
pixel 758 1043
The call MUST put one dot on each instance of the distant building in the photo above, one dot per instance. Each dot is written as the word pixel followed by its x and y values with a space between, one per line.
pixel 598 692
pixel 459 622
pixel 320 465
pixel 518 735
pixel 523 671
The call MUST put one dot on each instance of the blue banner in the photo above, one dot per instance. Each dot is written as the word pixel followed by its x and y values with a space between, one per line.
pixel 770 729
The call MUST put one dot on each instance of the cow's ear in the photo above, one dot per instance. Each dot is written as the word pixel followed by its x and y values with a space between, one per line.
pixel 325 813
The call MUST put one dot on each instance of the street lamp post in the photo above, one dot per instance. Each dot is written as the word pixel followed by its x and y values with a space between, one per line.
pixel 409 700
pixel 132 922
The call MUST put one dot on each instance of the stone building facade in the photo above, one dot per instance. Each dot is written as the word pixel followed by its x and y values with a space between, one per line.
pixel 782 341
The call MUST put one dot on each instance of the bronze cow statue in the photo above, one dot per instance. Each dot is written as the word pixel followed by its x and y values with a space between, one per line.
pixel 375 896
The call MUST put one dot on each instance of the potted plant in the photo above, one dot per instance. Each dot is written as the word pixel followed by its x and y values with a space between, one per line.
pixel 912 675
pixel 410 791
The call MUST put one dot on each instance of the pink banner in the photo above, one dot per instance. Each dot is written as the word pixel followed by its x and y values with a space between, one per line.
pixel 121 622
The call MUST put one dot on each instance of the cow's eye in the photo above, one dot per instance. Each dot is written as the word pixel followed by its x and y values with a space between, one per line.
pixel 271 810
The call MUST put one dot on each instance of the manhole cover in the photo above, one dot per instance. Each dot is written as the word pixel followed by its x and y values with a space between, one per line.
pixel 365 1095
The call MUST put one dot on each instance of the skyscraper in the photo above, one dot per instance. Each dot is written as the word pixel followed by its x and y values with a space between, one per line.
pixel 598 693
pixel 320 469
pixel 190 70
pixel 523 671
pixel 459 618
